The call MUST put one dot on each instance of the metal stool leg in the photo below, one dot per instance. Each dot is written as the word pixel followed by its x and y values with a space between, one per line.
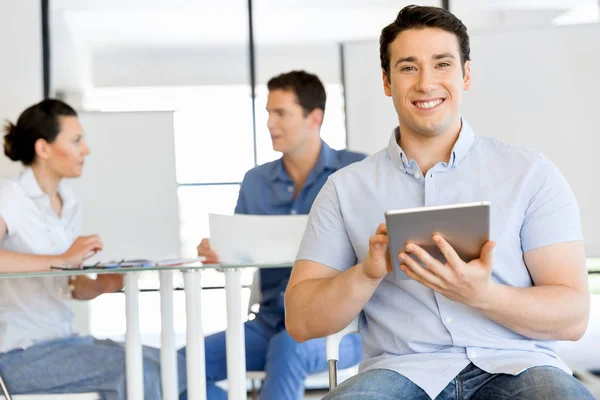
pixel 4 389
pixel 332 374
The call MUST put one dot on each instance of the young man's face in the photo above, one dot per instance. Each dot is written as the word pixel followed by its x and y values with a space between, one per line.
pixel 290 129
pixel 426 80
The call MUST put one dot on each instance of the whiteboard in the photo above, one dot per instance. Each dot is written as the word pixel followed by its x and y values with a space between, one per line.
pixel 128 188
pixel 536 89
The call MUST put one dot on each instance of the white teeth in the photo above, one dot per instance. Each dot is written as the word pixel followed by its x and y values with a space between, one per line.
pixel 428 104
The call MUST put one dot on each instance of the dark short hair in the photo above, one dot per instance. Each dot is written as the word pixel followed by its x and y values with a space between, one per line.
pixel 418 17
pixel 40 121
pixel 307 87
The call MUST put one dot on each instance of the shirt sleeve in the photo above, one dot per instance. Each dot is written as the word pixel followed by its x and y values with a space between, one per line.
pixel 240 207
pixel 325 239
pixel 10 206
pixel 552 215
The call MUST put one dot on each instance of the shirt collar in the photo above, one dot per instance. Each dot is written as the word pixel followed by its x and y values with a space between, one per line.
pixel 327 160
pixel 32 188
pixel 30 184
pixel 463 144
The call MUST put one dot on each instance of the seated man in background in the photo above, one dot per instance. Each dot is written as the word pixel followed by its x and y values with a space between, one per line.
pixel 289 185
pixel 481 330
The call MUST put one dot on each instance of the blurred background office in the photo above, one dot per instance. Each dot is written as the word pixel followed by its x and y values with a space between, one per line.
pixel 181 84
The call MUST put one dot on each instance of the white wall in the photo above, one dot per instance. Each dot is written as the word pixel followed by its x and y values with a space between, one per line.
pixel 71 60
pixel 539 94
pixel 21 66
pixel 370 114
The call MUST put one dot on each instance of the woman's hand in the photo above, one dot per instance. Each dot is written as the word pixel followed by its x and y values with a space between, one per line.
pixel 82 248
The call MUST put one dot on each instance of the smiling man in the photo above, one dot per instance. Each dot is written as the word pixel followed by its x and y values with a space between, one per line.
pixel 480 330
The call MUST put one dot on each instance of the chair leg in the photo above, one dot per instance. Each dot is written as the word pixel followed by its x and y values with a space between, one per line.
pixel 332 374
pixel 4 389
pixel 254 390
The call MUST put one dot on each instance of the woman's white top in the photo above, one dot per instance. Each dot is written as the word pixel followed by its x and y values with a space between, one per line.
pixel 34 310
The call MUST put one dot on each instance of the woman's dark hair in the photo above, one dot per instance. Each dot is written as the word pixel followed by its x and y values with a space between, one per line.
pixel 40 121
pixel 418 17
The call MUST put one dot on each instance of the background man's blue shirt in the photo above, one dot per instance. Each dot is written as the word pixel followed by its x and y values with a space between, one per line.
pixel 269 190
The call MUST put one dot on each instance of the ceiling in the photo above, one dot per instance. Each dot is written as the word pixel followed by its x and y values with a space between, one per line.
pixel 133 23
pixel 84 31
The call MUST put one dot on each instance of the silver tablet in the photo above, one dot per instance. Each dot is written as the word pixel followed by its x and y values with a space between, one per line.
pixel 465 226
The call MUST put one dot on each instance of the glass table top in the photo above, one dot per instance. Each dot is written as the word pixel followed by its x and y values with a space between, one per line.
pixel 124 270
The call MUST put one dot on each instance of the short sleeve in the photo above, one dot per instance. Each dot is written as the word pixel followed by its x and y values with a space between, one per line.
pixel 325 239
pixel 11 199
pixel 240 207
pixel 552 215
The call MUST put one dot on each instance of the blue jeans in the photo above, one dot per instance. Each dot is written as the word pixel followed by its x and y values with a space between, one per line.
pixel 286 362
pixel 78 365
pixel 538 383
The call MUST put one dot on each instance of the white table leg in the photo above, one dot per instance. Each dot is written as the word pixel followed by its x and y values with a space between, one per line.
pixel 236 348
pixel 133 340
pixel 196 372
pixel 168 352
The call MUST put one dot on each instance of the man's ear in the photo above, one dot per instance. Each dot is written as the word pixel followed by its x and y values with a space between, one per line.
pixel 386 84
pixel 316 117
pixel 467 76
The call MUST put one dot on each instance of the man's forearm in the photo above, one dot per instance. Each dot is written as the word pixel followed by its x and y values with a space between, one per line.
pixel 320 307
pixel 551 312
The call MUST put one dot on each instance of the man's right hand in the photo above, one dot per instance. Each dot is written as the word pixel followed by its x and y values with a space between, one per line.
pixel 205 250
pixel 82 248
pixel 378 263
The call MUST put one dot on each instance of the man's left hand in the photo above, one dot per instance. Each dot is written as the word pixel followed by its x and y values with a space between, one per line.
pixel 467 283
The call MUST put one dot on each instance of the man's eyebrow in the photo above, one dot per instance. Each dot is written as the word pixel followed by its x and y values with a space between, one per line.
pixel 443 55
pixel 405 59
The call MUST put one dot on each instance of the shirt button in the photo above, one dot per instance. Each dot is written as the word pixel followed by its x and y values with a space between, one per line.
pixel 293 212
pixel 290 189
pixel 417 174
pixel 448 319
pixel 473 354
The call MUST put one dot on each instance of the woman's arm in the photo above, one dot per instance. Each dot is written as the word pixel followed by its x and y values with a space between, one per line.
pixel 83 248
pixel 20 262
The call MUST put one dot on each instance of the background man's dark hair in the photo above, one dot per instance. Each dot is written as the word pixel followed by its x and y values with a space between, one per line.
pixel 40 121
pixel 307 87
pixel 418 17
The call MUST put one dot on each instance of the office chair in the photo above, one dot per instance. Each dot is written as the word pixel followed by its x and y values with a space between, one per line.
pixel 332 343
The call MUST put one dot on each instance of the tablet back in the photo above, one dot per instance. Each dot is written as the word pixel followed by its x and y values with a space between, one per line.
pixel 465 226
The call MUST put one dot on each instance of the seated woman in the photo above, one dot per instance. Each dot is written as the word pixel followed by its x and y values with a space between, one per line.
pixel 40 223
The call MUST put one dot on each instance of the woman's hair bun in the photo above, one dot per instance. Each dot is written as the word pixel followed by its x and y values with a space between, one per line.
pixel 10 147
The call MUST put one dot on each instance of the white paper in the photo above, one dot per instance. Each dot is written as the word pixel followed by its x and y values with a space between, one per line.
pixel 172 262
pixel 256 239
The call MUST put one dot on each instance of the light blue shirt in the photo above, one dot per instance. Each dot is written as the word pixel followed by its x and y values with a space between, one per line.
pixel 413 330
